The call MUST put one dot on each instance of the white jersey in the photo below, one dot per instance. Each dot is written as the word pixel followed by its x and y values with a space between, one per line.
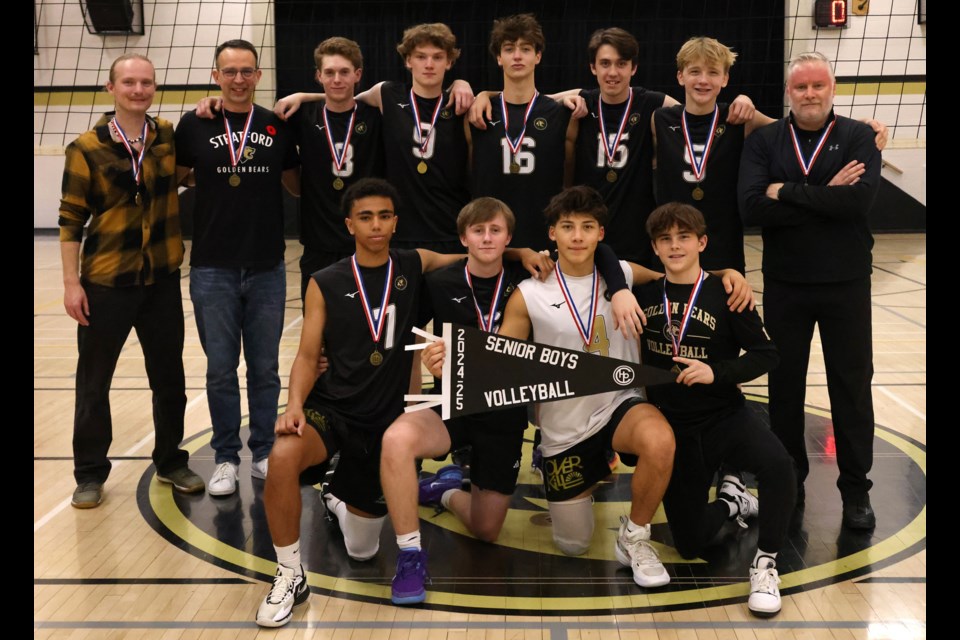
pixel 564 423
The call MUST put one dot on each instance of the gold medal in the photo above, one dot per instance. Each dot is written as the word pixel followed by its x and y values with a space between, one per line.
pixel 137 199
pixel 338 184
pixel 514 167
pixel 697 193
pixel 422 167
pixel 611 176
pixel 234 180
pixel 675 369
pixel 376 358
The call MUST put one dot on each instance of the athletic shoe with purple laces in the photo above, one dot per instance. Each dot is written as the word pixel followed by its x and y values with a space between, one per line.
pixel 408 584
pixel 433 487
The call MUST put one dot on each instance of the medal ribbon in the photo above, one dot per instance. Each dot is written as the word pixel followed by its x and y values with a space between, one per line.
pixel 515 146
pixel 804 165
pixel 375 325
pixel 698 167
pixel 486 325
pixel 684 323
pixel 586 332
pixel 610 148
pixel 424 142
pixel 136 159
pixel 235 152
pixel 338 159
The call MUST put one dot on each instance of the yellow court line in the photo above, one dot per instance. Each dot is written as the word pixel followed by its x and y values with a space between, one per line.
pixel 165 508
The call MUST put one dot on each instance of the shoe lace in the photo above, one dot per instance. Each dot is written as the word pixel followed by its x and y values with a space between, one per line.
pixel 742 507
pixel 410 564
pixel 282 584
pixel 767 579
pixel 642 552
pixel 221 472
pixel 731 491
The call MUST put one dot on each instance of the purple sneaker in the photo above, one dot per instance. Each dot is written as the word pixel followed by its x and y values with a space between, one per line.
pixel 536 464
pixel 433 487
pixel 411 575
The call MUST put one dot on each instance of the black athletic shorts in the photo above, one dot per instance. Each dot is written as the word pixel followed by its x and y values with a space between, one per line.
pixel 571 472
pixel 356 480
pixel 495 441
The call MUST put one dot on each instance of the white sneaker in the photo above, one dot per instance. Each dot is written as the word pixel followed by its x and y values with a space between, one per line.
pixel 764 590
pixel 258 469
pixel 289 589
pixel 634 550
pixel 732 490
pixel 223 482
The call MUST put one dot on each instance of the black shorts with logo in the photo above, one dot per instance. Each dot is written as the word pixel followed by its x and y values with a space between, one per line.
pixel 356 479
pixel 571 472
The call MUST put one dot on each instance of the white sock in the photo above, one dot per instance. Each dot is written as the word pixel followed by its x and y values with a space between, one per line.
pixel 764 557
pixel 289 556
pixel 409 540
pixel 446 497
pixel 633 526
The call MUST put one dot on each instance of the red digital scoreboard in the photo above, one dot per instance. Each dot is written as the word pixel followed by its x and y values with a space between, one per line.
pixel 830 14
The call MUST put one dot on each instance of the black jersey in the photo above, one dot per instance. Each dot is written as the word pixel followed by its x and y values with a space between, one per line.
pixel 537 173
pixel 238 213
pixel 716 335
pixel 448 298
pixel 718 184
pixel 429 201
pixel 322 185
pixel 629 198
pixel 367 395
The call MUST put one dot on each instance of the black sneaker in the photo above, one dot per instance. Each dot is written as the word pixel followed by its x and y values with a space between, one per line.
pixel 858 513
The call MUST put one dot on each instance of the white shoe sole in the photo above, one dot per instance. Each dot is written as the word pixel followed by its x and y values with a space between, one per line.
pixel 625 560
pixel 763 613
pixel 221 492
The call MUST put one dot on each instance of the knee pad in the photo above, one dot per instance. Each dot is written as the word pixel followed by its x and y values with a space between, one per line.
pixel 572 525
pixel 361 536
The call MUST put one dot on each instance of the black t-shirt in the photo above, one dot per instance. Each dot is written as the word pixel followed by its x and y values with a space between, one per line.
pixel 238 211
pixel 718 185
pixel 629 198
pixel 321 220
pixel 716 335
pixel 367 395
pixel 429 201
pixel 539 162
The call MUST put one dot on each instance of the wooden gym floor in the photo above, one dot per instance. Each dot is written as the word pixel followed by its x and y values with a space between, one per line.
pixel 150 564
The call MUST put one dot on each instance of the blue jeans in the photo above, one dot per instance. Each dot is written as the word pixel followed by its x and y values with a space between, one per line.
pixel 233 305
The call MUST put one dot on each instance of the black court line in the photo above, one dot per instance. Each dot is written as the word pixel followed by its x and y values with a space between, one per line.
pixel 901 276
pixel 94 581
pixel 70 458
pixel 557 629
pixel 893 580
pixel 901 316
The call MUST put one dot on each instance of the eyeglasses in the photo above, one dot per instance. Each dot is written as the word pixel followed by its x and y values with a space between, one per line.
pixel 230 74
